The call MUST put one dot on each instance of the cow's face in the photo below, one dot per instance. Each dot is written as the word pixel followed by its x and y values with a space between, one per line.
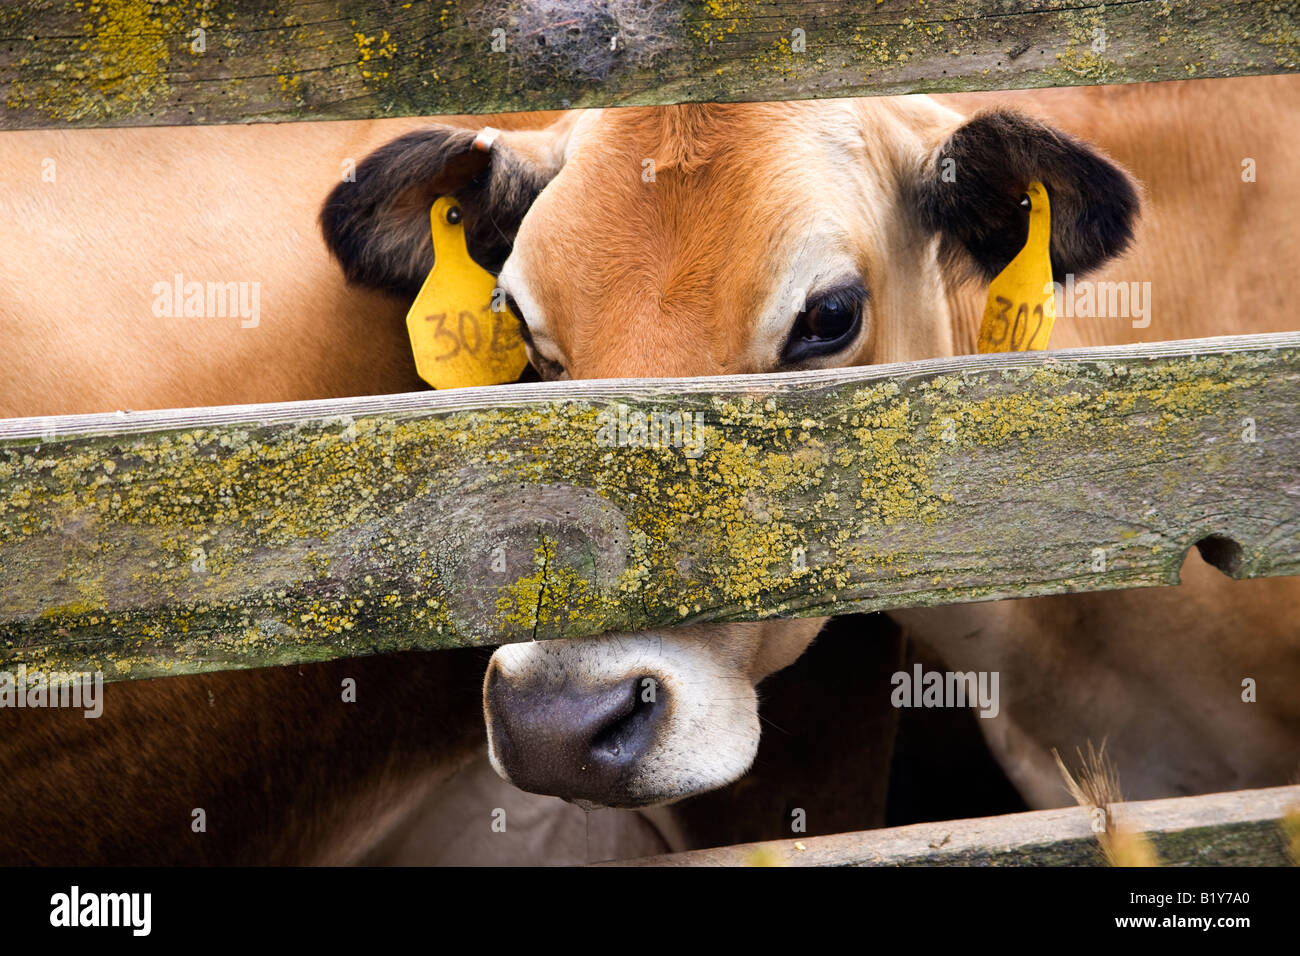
pixel 693 241
pixel 709 240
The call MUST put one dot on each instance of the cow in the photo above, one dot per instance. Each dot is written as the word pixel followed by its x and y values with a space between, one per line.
pixel 283 770
pixel 738 238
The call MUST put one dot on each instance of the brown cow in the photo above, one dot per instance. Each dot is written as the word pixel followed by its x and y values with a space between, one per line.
pixel 837 233
pixel 284 770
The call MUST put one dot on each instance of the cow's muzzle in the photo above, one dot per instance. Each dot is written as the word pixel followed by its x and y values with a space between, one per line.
pixel 581 744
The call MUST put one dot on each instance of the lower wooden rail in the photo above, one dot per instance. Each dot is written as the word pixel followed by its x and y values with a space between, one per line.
pixel 1242 828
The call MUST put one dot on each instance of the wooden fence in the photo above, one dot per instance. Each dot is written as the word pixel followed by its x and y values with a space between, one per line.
pixel 174 542
pixel 202 539
pixel 139 63
pixel 1243 828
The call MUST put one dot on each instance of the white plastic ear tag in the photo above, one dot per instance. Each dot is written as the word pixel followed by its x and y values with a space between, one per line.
pixel 1021 309
pixel 456 335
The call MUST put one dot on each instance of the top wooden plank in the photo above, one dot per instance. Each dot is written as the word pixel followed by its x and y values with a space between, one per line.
pixel 141 63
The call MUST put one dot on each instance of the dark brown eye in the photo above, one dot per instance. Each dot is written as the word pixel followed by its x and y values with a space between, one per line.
pixel 828 324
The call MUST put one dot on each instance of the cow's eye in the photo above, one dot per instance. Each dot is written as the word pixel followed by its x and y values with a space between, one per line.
pixel 829 323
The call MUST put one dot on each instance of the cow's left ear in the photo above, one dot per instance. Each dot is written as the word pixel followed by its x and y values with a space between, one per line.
pixel 971 186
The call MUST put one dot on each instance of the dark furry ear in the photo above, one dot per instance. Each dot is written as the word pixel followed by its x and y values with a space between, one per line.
pixel 971 187
pixel 378 226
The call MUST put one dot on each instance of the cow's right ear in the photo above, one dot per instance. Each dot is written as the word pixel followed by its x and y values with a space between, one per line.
pixel 378 226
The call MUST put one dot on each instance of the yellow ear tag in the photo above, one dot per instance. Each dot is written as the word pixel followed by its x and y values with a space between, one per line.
pixel 457 338
pixel 1020 310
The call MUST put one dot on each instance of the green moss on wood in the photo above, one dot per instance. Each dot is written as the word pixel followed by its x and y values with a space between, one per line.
pixel 149 552
pixel 135 62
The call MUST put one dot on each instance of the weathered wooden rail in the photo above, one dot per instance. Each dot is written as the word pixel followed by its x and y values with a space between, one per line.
pixel 136 62
pixel 1242 828
pixel 173 542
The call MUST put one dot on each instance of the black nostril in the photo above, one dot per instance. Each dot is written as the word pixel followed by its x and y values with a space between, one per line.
pixel 574 742
pixel 631 730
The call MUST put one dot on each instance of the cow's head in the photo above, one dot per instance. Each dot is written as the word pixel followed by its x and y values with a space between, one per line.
pixel 704 240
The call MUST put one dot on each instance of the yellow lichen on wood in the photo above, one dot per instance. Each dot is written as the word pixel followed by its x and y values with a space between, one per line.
pixel 217 545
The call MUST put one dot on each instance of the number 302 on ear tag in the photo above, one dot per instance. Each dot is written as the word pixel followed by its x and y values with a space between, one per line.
pixel 1021 308
pixel 457 337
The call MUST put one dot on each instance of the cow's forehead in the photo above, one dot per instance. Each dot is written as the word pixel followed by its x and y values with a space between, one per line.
pixel 668 230
pixel 672 241
pixel 734 157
